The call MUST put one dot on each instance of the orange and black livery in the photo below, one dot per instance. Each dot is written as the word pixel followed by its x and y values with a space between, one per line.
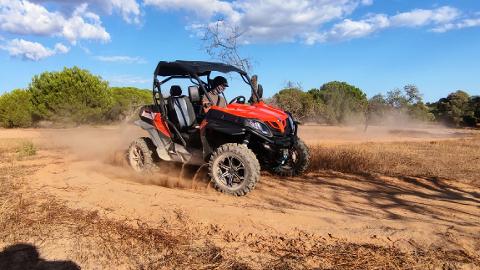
pixel 236 140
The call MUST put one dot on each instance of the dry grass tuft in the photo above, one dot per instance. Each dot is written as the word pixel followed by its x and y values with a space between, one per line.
pixel 26 149
pixel 449 159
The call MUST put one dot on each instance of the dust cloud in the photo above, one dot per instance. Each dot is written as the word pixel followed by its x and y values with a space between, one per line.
pixel 104 148
pixel 314 134
pixel 385 127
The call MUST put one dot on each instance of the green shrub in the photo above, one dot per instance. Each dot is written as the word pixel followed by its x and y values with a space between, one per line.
pixel 16 109
pixel 451 109
pixel 72 95
pixel 125 100
pixel 342 103
pixel 470 121
pixel 26 149
pixel 294 100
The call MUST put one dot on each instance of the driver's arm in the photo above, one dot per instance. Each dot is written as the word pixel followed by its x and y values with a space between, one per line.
pixel 206 104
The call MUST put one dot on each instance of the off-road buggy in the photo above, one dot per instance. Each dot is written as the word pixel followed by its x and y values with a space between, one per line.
pixel 236 141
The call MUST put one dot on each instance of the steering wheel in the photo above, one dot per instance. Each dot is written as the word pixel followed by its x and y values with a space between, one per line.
pixel 239 99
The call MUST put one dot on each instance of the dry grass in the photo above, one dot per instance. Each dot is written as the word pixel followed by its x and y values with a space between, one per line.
pixel 448 159
pixel 95 241
pixel 26 149
pixel 90 239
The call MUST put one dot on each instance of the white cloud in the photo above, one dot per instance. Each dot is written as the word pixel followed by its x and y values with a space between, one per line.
pixel 292 20
pixel 349 29
pixel 468 23
pixel 465 23
pixel 287 20
pixel 202 8
pixel 60 48
pixel 367 2
pixel 84 25
pixel 421 17
pixel 23 17
pixel 267 20
pixel 32 51
pixel 129 9
pixel 259 20
pixel 122 59
pixel 26 18
pixel 441 19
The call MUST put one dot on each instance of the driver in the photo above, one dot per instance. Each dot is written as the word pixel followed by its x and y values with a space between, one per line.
pixel 219 84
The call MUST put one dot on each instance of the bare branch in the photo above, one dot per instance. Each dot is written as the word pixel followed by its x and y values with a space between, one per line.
pixel 221 41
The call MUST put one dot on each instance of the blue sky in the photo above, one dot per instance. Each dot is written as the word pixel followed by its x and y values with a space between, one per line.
pixel 375 45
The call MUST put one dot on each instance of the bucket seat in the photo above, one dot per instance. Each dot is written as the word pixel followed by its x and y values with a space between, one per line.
pixel 180 110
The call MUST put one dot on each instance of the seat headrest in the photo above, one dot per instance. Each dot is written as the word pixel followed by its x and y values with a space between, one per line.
pixel 194 93
pixel 175 90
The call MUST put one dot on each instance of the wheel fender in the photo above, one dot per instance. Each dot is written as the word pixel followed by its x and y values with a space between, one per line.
pixel 161 144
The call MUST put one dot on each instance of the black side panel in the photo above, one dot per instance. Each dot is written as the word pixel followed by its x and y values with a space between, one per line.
pixel 225 127
pixel 219 115
pixel 225 123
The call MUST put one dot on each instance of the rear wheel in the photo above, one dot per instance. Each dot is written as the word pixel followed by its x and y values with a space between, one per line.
pixel 142 155
pixel 297 162
pixel 234 169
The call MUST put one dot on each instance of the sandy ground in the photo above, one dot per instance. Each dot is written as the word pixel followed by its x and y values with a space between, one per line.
pixel 84 167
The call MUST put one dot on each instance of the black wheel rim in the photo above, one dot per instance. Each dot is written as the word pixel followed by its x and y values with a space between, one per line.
pixel 292 160
pixel 137 159
pixel 231 171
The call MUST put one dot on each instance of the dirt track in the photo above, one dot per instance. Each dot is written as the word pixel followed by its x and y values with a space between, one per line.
pixel 83 167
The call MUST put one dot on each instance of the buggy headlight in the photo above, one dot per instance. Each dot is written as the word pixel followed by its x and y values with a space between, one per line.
pixel 259 127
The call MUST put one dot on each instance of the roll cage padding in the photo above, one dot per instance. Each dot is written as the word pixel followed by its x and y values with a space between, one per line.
pixel 194 94
pixel 199 68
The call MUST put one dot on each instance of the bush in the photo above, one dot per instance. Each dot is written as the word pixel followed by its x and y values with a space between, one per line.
pixel 72 95
pixel 16 109
pixel 453 108
pixel 26 149
pixel 397 105
pixel 470 121
pixel 342 103
pixel 125 100
pixel 295 101
pixel 421 112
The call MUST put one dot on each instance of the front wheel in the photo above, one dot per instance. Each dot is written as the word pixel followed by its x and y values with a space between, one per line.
pixel 234 169
pixel 297 162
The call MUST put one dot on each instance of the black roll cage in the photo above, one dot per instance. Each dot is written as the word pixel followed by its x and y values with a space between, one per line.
pixel 159 100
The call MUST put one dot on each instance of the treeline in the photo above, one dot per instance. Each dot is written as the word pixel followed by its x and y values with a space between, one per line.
pixel 341 103
pixel 70 97
pixel 75 96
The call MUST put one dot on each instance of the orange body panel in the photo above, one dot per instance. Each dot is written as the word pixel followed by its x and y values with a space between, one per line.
pixel 161 125
pixel 274 117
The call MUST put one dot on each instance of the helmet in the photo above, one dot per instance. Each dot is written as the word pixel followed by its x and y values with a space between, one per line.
pixel 219 80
